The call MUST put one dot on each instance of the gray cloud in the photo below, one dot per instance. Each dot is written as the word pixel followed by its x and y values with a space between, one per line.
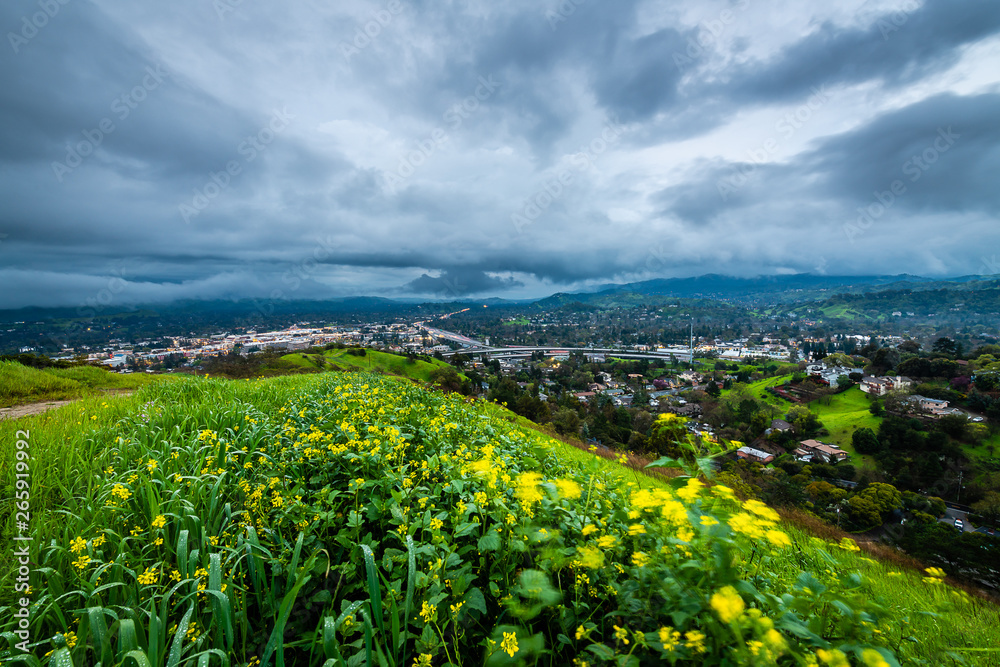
pixel 171 189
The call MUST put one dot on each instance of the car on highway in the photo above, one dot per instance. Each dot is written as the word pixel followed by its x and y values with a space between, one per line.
pixel 959 524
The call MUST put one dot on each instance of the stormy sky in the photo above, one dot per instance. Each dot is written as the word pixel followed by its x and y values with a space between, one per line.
pixel 242 148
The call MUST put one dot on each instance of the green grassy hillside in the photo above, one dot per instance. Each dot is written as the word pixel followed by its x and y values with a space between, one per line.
pixel 842 414
pixel 23 384
pixel 333 518
pixel 375 361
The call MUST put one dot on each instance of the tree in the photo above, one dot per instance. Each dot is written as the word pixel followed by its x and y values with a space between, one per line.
pixel 713 389
pixel 953 425
pixel 805 422
pixel 566 421
pixel 876 408
pixel 897 401
pixel 944 345
pixel 885 497
pixel 825 493
pixel 863 513
pixel 865 441
pixel 446 378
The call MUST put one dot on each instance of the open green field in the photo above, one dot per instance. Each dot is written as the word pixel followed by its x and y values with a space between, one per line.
pixel 334 519
pixel 23 384
pixel 757 390
pixel 842 414
pixel 374 361
pixel 989 448
pixel 520 321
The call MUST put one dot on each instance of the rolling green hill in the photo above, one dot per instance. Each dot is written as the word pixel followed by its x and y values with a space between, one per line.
pixel 842 414
pixel 331 519
pixel 375 361
pixel 23 384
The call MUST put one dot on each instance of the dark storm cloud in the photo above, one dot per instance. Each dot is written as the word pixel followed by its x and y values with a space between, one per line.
pixel 896 47
pixel 942 153
pixel 945 150
pixel 459 282
pixel 668 196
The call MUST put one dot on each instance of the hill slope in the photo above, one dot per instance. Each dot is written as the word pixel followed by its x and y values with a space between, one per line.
pixel 373 360
pixel 350 517
pixel 23 384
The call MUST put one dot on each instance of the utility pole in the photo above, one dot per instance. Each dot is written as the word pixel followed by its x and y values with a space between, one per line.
pixel 691 348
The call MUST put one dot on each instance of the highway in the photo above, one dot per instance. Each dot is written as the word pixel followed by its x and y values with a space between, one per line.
pixel 526 350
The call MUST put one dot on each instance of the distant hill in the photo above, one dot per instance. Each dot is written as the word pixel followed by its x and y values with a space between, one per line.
pixel 783 288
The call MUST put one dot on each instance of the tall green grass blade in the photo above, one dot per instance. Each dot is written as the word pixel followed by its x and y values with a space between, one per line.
pixel 138 657
pixel 294 563
pixel 99 631
pixel 177 645
pixel 411 578
pixel 61 658
pixel 374 590
pixel 275 642
pixel 182 553
pixel 220 602
pixel 368 639
pixel 127 639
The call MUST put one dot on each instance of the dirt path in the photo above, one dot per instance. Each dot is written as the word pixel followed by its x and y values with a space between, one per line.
pixel 38 408
pixel 29 409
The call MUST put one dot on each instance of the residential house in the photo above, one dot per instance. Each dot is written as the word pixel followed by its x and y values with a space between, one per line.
pixel 755 455
pixel 880 386
pixel 780 425
pixel 813 450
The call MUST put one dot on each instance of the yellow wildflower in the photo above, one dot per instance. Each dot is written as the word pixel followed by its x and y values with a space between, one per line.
pixel 695 641
pixel 669 638
pixel 568 489
pixel 690 491
pixel 509 643
pixel 848 544
pixel 728 604
pixel 761 510
pixel 873 658
pixel 527 490
pixel 778 538
pixel 148 577
pixel 834 658
pixel 159 522
pixel 589 557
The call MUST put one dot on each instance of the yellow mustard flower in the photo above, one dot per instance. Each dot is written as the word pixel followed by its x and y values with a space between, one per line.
pixel 509 643
pixel 728 604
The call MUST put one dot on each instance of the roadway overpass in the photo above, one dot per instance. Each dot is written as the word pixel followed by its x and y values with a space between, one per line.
pixel 518 351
